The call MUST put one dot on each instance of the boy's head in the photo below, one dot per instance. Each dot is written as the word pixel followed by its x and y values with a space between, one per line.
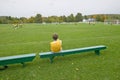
pixel 55 36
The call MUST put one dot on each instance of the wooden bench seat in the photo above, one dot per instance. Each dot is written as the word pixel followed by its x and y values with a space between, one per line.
pixel 4 61
pixel 51 55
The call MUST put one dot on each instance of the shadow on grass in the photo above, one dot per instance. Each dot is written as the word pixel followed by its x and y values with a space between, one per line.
pixel 68 58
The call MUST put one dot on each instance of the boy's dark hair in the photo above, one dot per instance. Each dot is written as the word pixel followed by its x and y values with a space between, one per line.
pixel 55 36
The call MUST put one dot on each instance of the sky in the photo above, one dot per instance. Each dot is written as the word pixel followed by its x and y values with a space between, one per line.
pixel 28 8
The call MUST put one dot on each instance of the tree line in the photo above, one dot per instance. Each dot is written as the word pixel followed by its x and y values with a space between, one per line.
pixel 38 18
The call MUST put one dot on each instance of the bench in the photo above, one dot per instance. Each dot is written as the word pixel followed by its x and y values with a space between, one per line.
pixel 4 61
pixel 51 55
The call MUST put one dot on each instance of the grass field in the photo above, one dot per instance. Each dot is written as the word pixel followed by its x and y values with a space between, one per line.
pixel 35 38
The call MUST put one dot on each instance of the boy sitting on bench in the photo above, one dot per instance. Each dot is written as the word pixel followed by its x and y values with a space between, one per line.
pixel 56 45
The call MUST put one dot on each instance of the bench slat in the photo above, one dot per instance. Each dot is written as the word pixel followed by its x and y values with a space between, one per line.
pixel 16 59
pixel 72 51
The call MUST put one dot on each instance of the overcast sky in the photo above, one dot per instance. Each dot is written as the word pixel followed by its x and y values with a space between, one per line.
pixel 27 8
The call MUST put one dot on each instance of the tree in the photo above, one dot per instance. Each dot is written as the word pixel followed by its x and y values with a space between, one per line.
pixel 64 18
pixel 23 20
pixel 85 17
pixel 70 18
pixel 31 19
pixel 4 19
pixel 100 18
pixel 45 19
pixel 38 18
pixel 78 17
pixel 60 19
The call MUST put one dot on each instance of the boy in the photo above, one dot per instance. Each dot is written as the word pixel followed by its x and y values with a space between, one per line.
pixel 56 45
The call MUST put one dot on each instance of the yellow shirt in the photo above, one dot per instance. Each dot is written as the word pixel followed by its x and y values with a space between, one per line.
pixel 56 46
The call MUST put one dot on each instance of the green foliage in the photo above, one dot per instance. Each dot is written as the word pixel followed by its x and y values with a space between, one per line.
pixel 31 20
pixel 70 18
pixel 87 66
pixel 38 18
pixel 78 17
pixel 4 20
pixel 100 18
pixel 23 19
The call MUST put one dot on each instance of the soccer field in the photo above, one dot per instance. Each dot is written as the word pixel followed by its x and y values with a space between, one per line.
pixel 36 38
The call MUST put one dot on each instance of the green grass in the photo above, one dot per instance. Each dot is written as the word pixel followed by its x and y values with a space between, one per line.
pixel 35 38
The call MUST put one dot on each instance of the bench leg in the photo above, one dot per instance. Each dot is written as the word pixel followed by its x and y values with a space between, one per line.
pixel 51 59
pixel 5 67
pixel 97 52
pixel 23 64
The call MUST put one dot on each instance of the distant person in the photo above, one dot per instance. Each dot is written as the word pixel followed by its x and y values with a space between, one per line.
pixel 56 45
